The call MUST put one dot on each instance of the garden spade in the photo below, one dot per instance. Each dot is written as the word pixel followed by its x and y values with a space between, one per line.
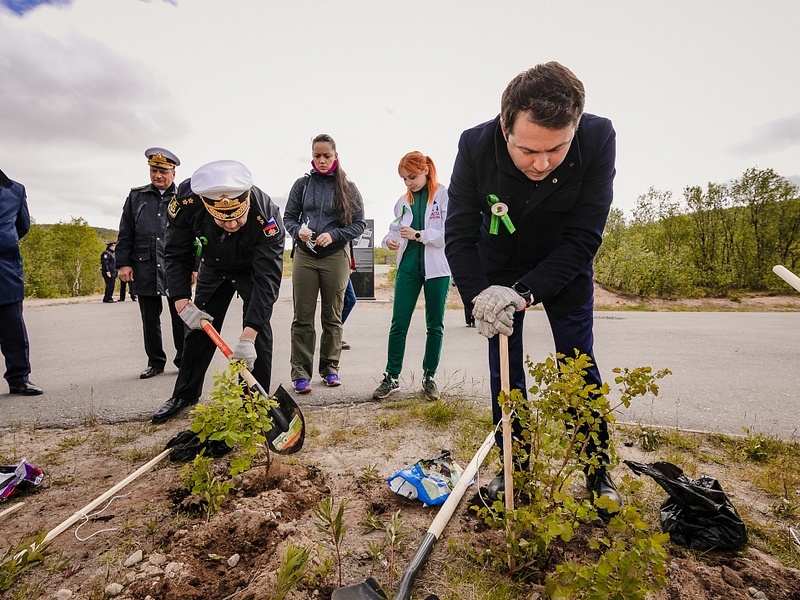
pixel 371 590
pixel 288 425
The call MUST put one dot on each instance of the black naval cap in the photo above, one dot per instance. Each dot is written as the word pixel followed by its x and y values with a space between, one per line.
pixel 161 158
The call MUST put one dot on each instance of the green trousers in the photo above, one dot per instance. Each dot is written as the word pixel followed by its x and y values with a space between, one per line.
pixel 410 280
pixel 325 278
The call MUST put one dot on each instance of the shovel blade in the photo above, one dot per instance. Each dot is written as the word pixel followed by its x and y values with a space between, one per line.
pixel 366 590
pixel 289 439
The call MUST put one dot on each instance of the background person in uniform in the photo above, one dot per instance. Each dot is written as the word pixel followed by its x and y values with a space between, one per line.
pixel 417 234
pixel 324 213
pixel 550 168
pixel 124 286
pixel 15 221
pixel 241 236
pixel 140 256
pixel 108 267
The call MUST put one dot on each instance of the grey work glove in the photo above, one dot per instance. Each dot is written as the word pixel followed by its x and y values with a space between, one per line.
pixel 487 330
pixel 245 350
pixel 503 324
pixel 191 315
pixel 491 304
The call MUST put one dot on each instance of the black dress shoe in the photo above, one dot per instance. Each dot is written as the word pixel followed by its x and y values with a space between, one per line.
pixel 170 408
pixel 496 487
pixel 151 371
pixel 109 300
pixel 599 484
pixel 26 389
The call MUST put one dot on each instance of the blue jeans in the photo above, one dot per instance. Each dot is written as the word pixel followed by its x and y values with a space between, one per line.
pixel 349 300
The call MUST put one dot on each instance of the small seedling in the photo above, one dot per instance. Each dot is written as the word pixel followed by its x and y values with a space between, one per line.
pixel 292 569
pixel 328 522
pixel 394 533
pixel 369 474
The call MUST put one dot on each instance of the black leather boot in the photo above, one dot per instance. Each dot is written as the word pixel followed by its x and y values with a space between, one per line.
pixel 496 487
pixel 599 484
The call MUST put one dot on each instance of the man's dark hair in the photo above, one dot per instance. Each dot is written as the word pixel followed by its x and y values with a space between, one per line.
pixel 549 94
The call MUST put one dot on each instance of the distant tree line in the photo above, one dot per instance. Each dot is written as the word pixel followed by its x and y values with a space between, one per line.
pixel 719 241
pixel 63 260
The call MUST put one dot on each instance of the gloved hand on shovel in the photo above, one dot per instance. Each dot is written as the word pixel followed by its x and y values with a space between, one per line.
pixel 496 306
pixel 245 350
pixel 191 315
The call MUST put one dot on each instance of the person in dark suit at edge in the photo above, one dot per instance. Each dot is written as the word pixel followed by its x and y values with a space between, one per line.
pixel 15 222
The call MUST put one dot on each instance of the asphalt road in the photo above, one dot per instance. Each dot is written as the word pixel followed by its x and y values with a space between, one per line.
pixel 730 370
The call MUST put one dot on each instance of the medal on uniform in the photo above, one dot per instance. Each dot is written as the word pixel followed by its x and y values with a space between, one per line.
pixel 499 215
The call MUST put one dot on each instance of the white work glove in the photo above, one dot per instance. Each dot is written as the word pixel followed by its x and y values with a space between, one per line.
pixel 191 315
pixel 245 350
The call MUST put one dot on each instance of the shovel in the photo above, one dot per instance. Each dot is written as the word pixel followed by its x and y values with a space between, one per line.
pixel 370 590
pixel 288 425
pixel 508 469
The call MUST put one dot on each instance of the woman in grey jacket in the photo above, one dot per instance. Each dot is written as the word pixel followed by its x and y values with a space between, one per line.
pixel 323 214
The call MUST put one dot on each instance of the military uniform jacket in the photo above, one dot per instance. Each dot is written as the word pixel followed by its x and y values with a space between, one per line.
pixel 142 238
pixel 255 251
pixel 559 221
pixel 108 263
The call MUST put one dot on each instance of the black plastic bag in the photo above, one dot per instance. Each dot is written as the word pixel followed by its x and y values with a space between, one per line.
pixel 186 445
pixel 697 514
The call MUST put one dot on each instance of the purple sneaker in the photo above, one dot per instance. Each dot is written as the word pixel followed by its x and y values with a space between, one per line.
pixel 301 386
pixel 332 380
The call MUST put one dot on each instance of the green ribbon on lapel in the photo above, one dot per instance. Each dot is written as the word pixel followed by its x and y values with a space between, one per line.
pixel 198 244
pixel 499 215
pixel 399 220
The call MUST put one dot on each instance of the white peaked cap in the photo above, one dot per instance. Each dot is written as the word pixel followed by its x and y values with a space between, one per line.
pixel 222 178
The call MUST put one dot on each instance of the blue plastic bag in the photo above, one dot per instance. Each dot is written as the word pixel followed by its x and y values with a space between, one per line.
pixel 429 480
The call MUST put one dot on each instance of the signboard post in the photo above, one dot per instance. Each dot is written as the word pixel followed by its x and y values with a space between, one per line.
pixel 363 277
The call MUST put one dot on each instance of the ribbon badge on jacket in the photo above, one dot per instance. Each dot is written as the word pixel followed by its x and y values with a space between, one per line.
pixel 499 215
pixel 399 220
pixel 198 244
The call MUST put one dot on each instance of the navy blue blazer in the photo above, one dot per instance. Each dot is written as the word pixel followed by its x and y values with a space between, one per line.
pixel 15 221
pixel 559 221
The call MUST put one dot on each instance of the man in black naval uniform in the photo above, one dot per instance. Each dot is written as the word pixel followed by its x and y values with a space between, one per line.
pixel 140 256
pixel 238 233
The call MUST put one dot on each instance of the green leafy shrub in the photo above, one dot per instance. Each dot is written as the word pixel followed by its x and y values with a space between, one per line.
pixel 561 416
pixel 237 417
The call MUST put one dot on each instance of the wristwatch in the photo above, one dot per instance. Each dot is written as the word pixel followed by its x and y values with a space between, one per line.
pixel 417 235
pixel 524 291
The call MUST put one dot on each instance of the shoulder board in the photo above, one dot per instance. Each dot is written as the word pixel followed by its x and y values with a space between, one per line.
pixel 140 188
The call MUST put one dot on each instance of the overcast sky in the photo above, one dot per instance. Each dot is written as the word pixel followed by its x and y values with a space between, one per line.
pixel 698 91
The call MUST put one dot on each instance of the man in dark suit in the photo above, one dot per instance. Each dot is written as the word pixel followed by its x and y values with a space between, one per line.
pixel 529 197
pixel 15 221
pixel 140 256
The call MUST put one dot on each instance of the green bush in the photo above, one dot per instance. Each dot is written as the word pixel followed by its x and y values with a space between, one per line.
pixel 560 417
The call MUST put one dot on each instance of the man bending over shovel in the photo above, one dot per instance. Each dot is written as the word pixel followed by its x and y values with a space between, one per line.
pixel 529 197
pixel 236 230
